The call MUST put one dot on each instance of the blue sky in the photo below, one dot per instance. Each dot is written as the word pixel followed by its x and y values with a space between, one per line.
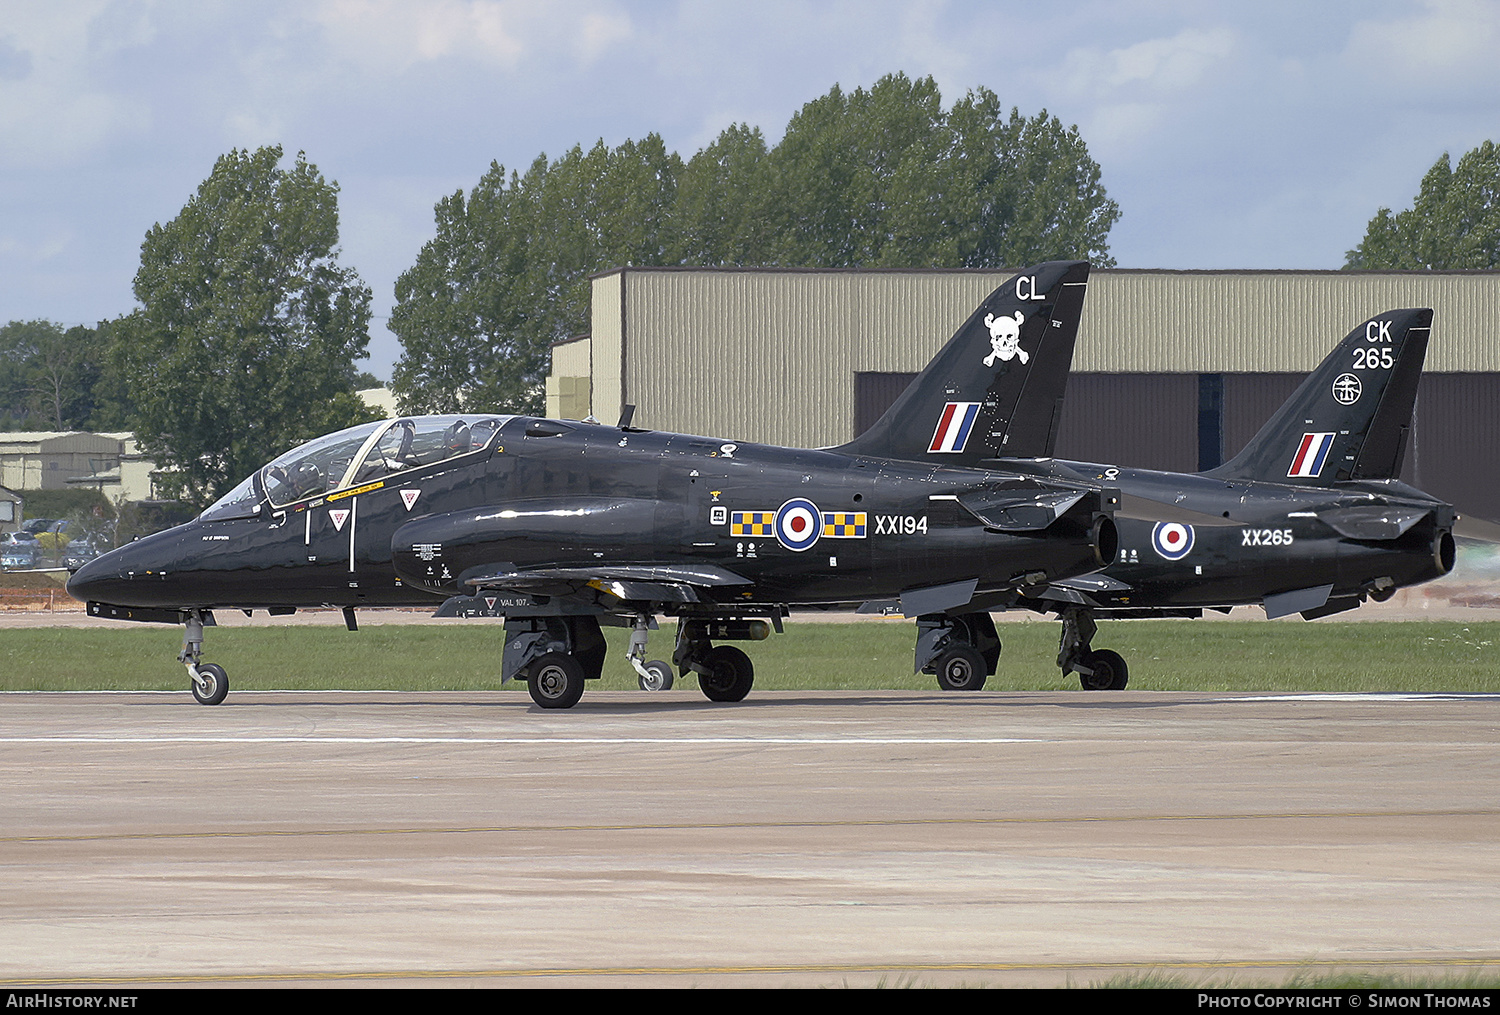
pixel 1232 134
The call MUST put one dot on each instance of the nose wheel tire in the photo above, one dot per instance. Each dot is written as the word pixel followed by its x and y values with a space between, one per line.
pixel 1110 672
pixel 215 684
pixel 660 678
pixel 730 674
pixel 961 668
pixel 556 681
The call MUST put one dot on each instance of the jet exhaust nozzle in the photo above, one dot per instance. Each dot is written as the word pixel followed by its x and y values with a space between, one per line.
pixel 1105 540
pixel 1444 552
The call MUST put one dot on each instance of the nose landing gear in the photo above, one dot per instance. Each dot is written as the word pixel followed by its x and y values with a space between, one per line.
pixel 210 684
pixel 655 675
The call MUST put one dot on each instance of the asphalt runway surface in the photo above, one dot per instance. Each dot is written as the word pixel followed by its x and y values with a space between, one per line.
pixel 795 839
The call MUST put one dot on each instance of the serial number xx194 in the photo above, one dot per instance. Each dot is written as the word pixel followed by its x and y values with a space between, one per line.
pixel 898 525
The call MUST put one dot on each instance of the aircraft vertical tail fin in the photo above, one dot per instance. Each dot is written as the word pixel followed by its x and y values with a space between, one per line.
pixel 995 390
pixel 1351 417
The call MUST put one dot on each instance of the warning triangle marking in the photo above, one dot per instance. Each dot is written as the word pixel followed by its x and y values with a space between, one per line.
pixel 409 497
pixel 339 516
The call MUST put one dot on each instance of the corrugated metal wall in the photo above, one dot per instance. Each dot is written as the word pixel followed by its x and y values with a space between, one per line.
pixel 607 345
pixel 1249 400
pixel 1275 321
pixel 774 356
pixel 708 350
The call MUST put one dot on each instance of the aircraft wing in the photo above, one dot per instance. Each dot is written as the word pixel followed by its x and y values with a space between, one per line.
pixel 668 583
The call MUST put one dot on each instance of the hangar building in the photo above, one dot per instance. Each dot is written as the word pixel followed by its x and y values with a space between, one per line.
pixel 1173 369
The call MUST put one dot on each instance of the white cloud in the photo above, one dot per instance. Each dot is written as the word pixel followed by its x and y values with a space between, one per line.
pixel 44 248
pixel 52 112
pixel 399 34
pixel 1160 67
pixel 1130 94
pixel 1448 44
pixel 599 32
pixel 250 129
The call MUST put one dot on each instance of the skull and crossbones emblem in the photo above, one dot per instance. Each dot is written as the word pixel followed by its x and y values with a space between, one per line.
pixel 1005 338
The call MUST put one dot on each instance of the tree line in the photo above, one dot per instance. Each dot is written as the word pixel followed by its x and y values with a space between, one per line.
pixel 249 329
pixel 879 179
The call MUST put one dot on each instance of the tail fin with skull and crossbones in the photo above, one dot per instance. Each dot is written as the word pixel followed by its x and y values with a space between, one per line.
pixel 995 390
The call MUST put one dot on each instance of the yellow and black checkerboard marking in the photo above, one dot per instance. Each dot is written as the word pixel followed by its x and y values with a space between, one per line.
pixel 752 523
pixel 844 524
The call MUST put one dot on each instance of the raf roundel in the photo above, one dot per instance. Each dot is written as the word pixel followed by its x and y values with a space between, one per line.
pixel 798 524
pixel 1172 540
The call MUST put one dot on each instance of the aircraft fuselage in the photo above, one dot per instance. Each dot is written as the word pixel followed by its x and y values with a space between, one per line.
pixel 804 527
pixel 1250 540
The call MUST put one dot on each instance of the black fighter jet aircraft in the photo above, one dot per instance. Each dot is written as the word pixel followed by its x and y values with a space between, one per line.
pixel 1308 518
pixel 563 526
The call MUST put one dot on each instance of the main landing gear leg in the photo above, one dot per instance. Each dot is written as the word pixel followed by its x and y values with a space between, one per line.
pixel 961 650
pixel 655 675
pixel 554 655
pixel 209 681
pixel 724 672
pixel 1098 669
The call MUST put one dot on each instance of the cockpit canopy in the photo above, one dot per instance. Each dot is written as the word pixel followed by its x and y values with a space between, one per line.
pixel 358 455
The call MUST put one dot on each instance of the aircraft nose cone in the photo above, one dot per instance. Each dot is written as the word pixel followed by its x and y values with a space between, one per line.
pixel 97 579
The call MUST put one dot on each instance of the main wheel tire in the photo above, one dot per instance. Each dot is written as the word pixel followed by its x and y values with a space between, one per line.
pixel 961 668
pixel 1110 672
pixel 556 681
pixel 731 673
pixel 215 684
pixel 660 679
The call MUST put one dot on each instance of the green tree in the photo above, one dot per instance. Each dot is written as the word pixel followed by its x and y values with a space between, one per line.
pixel 886 178
pixel 50 378
pixel 506 275
pixel 249 328
pixel 877 178
pixel 1038 195
pixel 722 209
pixel 1453 223
pixel 858 180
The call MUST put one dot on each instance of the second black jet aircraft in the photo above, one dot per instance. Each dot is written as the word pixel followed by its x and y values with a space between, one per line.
pixel 1309 518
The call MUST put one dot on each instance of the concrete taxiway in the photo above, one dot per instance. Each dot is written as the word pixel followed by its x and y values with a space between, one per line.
pixel 793 839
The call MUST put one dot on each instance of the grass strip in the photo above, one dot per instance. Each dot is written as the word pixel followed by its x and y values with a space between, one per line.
pixel 1169 655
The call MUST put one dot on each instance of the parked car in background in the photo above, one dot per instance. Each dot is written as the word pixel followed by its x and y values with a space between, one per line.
pixel 78 553
pixel 18 555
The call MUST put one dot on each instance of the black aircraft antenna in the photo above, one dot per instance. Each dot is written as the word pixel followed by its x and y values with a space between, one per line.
pixel 627 413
